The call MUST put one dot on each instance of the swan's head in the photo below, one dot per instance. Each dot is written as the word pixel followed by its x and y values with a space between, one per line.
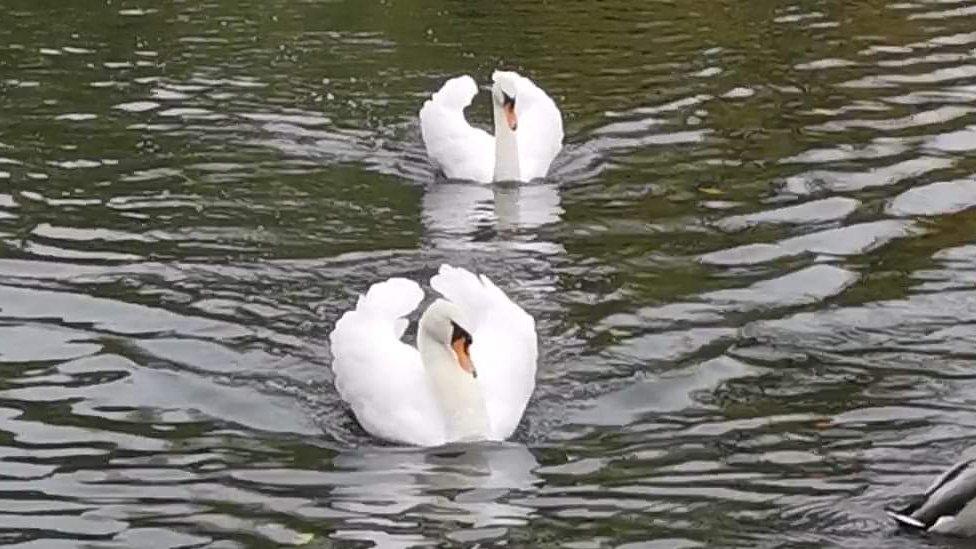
pixel 504 93
pixel 442 322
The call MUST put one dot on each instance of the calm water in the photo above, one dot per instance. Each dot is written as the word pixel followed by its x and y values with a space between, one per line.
pixel 753 269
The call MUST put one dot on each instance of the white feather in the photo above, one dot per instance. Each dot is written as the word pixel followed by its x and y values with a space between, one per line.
pixel 540 128
pixel 504 348
pixel 384 380
pixel 460 151
pixel 464 152
pixel 380 377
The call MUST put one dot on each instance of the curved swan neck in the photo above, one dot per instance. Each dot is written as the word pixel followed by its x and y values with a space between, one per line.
pixel 506 149
pixel 457 392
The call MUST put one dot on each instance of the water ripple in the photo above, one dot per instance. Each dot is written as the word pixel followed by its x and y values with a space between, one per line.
pixel 751 268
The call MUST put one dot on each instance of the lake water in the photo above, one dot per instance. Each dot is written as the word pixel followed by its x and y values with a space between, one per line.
pixel 753 269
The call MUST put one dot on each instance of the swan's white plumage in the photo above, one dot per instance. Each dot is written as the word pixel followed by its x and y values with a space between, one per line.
pixel 504 346
pixel 460 151
pixel 540 128
pixel 464 152
pixel 382 378
pixel 385 382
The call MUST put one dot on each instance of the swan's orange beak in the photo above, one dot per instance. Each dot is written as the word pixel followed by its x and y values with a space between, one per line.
pixel 510 116
pixel 460 346
pixel 508 105
pixel 461 343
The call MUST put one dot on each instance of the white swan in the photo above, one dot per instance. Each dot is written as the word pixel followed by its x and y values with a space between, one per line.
pixel 469 378
pixel 528 130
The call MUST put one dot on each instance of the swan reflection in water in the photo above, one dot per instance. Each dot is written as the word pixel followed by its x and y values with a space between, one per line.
pixel 456 213
pixel 407 487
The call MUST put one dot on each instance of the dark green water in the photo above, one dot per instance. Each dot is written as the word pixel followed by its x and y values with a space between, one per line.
pixel 753 269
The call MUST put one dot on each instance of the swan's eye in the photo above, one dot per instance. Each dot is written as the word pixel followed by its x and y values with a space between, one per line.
pixel 508 100
pixel 460 333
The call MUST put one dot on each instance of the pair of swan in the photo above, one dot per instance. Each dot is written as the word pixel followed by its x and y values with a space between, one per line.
pixel 473 369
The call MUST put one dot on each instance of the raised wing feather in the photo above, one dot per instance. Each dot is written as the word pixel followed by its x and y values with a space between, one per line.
pixel 380 377
pixel 504 348
pixel 459 150
pixel 540 129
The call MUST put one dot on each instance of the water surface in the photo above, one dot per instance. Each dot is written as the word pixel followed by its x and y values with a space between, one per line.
pixel 752 267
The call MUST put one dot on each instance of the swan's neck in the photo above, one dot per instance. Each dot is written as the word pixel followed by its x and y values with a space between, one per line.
pixel 457 392
pixel 506 149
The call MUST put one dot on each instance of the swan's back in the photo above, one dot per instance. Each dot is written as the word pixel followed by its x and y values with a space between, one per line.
pixel 459 150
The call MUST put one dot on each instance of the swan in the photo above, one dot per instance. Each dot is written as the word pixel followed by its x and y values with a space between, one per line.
pixel 947 507
pixel 528 130
pixel 469 378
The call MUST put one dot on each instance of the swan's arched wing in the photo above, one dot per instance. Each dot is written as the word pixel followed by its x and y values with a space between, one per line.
pixel 380 377
pixel 540 129
pixel 460 151
pixel 503 349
